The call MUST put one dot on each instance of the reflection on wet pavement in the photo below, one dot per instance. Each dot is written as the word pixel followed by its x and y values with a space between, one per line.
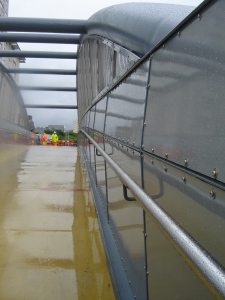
pixel 50 242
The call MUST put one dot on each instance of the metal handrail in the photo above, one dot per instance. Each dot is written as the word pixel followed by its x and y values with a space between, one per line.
pixel 199 259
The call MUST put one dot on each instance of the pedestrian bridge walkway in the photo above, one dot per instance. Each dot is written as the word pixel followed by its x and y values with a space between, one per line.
pixel 50 242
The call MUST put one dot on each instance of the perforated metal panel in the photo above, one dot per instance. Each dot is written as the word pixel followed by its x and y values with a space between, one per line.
pixel 186 105
pixel 13 115
pixel 125 111
pixel 100 61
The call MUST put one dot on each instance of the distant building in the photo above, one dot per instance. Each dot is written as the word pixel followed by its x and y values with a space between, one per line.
pixel 40 129
pixel 57 127
pixel 31 123
pixel 75 126
pixel 10 62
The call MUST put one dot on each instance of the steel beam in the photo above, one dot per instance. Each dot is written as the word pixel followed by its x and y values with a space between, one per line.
pixel 39 38
pixel 48 88
pixel 38 54
pixel 41 71
pixel 42 25
pixel 51 106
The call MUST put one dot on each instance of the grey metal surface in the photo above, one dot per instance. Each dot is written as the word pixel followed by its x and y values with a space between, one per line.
pixel 118 276
pixel 41 71
pixel 201 262
pixel 51 106
pixel 169 276
pixel 39 38
pixel 42 25
pixel 123 24
pixel 47 88
pixel 126 122
pixel 38 54
pixel 193 208
pixel 126 222
pixel 185 112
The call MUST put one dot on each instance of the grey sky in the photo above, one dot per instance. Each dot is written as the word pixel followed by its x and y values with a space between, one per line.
pixel 63 9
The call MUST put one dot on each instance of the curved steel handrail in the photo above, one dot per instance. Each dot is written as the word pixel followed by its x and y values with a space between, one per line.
pixel 201 262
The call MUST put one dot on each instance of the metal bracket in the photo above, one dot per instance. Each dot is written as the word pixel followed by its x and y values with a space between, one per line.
pixel 97 153
pixel 125 194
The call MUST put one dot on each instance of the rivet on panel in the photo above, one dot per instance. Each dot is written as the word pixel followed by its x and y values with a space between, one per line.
pixel 184 179
pixel 164 46
pixel 145 124
pixel 121 258
pixel 133 151
pixel 166 155
pixel 213 194
pixel 199 17
pixel 153 162
pixel 135 297
pixel 179 34
pixel 147 273
pixel 165 168
pixel 186 162
pixel 129 282
pixel 148 86
pixel 143 146
pixel 146 234
pixel 133 143
pixel 215 173
pixel 153 150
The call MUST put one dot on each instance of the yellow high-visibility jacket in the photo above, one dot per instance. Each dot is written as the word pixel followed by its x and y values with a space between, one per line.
pixel 54 137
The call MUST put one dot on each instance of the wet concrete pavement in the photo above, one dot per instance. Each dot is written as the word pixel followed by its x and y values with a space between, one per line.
pixel 50 244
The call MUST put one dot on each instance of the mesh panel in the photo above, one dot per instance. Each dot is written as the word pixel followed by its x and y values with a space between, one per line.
pixel 13 115
pixel 98 64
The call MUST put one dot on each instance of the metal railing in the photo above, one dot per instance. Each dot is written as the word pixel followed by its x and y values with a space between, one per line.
pixel 202 263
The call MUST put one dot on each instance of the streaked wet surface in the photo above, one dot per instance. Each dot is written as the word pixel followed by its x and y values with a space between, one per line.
pixel 50 242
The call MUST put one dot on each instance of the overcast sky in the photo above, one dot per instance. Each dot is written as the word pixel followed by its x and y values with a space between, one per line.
pixel 63 9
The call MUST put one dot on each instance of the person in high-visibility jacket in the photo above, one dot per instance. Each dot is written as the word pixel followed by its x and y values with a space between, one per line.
pixel 44 139
pixel 54 139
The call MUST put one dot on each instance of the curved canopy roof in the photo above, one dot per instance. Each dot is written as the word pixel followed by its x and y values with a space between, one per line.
pixel 137 26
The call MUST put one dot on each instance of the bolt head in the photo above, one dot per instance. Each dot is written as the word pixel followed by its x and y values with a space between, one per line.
pixel 153 150
pixel 166 155
pixel 213 194
pixel 215 173
pixel 184 179
pixel 186 162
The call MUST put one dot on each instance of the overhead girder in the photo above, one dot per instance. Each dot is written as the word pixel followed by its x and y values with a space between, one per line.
pixel 41 71
pixel 38 54
pixel 42 25
pixel 47 88
pixel 39 38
